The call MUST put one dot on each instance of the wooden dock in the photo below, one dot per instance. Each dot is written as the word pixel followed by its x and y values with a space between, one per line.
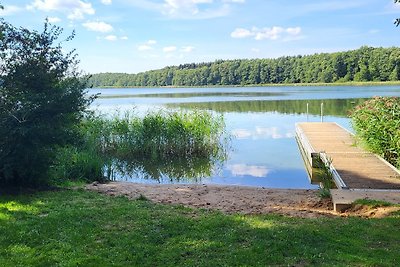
pixel 352 167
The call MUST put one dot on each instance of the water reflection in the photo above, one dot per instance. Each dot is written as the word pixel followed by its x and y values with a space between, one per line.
pixel 261 121
pixel 260 132
pixel 333 107
pixel 167 170
pixel 248 170
pixel 194 94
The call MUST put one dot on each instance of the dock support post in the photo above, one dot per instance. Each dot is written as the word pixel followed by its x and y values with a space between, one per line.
pixel 322 112
pixel 307 112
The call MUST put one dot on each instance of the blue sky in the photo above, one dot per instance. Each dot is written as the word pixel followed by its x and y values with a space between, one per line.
pixel 138 35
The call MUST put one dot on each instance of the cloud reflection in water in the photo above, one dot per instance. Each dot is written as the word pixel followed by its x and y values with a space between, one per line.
pixel 248 170
pixel 261 133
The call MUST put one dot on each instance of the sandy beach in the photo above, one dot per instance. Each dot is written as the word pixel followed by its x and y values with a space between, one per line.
pixel 228 199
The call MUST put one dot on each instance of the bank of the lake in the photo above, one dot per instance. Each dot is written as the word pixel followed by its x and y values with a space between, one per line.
pixel 352 83
pixel 76 227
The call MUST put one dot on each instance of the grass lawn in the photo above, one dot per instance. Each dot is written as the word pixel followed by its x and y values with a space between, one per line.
pixel 80 228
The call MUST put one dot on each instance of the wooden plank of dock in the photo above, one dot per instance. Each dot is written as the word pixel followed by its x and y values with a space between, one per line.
pixel 364 174
pixel 356 167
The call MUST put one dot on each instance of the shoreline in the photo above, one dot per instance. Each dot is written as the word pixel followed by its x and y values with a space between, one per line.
pixel 246 200
pixel 225 198
pixel 351 84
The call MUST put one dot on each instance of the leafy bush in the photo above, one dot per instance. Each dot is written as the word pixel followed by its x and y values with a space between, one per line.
pixel 42 99
pixel 377 123
pixel 77 164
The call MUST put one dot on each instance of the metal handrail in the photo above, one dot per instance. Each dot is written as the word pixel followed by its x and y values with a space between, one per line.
pixel 335 175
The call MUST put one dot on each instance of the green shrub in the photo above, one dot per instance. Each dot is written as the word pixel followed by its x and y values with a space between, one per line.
pixel 76 164
pixel 377 123
pixel 42 99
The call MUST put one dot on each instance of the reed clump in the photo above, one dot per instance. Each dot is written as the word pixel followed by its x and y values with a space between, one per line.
pixel 157 134
pixel 377 123
pixel 163 138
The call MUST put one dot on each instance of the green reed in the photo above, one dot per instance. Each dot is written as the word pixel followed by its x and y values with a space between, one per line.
pixel 158 134
pixel 176 143
pixel 377 123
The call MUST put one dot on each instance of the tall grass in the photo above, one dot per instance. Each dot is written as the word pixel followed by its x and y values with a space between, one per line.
pixel 174 143
pixel 159 134
pixel 377 123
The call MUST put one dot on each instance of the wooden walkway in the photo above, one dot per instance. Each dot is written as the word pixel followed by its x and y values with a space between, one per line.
pixel 352 167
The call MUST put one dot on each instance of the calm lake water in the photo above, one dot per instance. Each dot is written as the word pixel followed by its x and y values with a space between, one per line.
pixel 261 121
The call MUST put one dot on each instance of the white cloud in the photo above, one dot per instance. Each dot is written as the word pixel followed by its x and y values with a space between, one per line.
pixel 268 33
pixel 241 33
pixel 293 31
pixel 106 2
pixel 255 50
pixel 9 10
pixel 149 45
pixel 54 19
pixel 188 9
pixel 169 49
pixel 97 26
pixel 75 9
pixel 251 170
pixel 111 38
pixel 187 49
pixel 145 47
pixel 124 38
pixel 273 33
pixel 177 8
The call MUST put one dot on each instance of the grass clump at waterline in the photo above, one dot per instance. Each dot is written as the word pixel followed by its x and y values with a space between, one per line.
pixel 128 143
pixel 76 227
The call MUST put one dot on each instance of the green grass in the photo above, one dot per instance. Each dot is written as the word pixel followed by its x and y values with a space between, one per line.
pixel 79 228
pixel 373 203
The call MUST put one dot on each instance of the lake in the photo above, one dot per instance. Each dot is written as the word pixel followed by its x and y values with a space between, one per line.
pixel 260 120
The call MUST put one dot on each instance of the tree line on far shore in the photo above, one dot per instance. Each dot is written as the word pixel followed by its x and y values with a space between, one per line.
pixel 361 65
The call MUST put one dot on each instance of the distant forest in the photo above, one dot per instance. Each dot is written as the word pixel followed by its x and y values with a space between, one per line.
pixel 361 65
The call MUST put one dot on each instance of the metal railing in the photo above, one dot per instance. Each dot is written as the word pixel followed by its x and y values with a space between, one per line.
pixel 321 111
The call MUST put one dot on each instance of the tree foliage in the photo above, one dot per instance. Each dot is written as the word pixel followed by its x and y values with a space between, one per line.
pixel 363 64
pixel 41 100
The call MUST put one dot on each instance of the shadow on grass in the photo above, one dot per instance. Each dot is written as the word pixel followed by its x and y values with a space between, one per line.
pixel 75 227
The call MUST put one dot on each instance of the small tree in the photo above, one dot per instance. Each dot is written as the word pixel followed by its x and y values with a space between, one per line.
pixel 42 98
